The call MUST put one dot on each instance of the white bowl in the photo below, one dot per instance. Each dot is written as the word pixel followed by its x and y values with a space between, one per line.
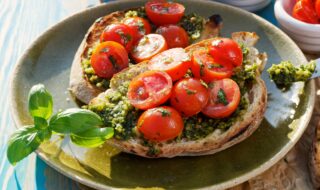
pixel 249 5
pixel 242 3
pixel 256 7
pixel 306 35
pixel 301 38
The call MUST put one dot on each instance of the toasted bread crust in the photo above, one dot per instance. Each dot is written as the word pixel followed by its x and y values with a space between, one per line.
pixel 79 85
pixel 216 141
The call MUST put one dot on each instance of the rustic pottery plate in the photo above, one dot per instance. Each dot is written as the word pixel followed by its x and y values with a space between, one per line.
pixel 49 59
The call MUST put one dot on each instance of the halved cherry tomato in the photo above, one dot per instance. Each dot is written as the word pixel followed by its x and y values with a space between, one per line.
pixel 224 98
pixel 205 67
pixel 189 96
pixel 174 61
pixel 162 12
pixel 149 89
pixel 226 51
pixel 120 33
pixel 109 58
pixel 148 46
pixel 317 6
pixel 139 26
pixel 304 10
pixel 175 35
pixel 160 124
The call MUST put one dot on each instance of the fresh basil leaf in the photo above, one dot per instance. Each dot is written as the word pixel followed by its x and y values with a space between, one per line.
pixel 93 137
pixel 40 123
pixel 40 102
pixel 44 134
pixel 23 142
pixel 74 120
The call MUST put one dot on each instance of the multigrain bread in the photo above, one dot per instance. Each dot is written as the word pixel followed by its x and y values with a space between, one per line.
pixel 79 85
pixel 219 139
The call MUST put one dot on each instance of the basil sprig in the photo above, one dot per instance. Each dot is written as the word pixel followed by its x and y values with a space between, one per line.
pixel 83 126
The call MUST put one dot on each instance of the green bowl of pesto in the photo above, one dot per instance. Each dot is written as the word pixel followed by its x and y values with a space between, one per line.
pixel 49 60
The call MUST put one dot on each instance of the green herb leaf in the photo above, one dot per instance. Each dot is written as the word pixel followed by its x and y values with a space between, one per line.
pixel 40 102
pixel 93 137
pixel 74 120
pixel 40 123
pixel 24 142
pixel 190 92
pixel 222 97
pixel 164 112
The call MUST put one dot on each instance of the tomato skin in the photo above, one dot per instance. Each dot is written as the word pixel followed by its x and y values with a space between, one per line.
pixel 148 46
pixel 162 12
pixel 149 89
pixel 216 109
pixel 204 66
pixel 304 10
pixel 175 62
pixel 226 51
pixel 175 35
pixel 160 124
pixel 109 58
pixel 120 33
pixel 139 26
pixel 189 96
pixel 317 7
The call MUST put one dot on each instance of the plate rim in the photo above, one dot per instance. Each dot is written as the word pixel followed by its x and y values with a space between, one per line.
pixel 222 185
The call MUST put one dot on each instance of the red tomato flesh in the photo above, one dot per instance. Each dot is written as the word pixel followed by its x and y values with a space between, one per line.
pixel 149 89
pixel 109 58
pixel 120 33
pixel 139 26
pixel 189 96
pixel 148 46
pixel 174 61
pixel 224 98
pixel 160 124
pixel 162 12
pixel 205 67
pixel 226 51
pixel 304 10
pixel 317 7
pixel 175 36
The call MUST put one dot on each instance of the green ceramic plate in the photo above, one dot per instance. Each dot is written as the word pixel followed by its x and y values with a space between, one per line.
pixel 49 59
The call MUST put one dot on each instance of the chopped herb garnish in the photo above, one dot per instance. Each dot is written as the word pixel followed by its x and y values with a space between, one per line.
pixel 113 62
pixel 211 85
pixel 204 84
pixel 167 60
pixel 164 113
pixel 190 92
pixel 141 27
pixel 125 37
pixel 104 50
pixel 201 69
pixel 214 66
pixel 222 97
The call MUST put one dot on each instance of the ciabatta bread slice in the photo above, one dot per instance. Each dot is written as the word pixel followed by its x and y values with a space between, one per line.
pixel 79 85
pixel 216 141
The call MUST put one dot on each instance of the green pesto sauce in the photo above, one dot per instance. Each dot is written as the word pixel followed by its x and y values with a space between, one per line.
pixel 193 24
pixel 92 77
pixel 139 12
pixel 199 126
pixel 285 73
pixel 117 112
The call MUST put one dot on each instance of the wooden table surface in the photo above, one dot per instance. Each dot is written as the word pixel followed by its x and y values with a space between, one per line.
pixel 21 21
